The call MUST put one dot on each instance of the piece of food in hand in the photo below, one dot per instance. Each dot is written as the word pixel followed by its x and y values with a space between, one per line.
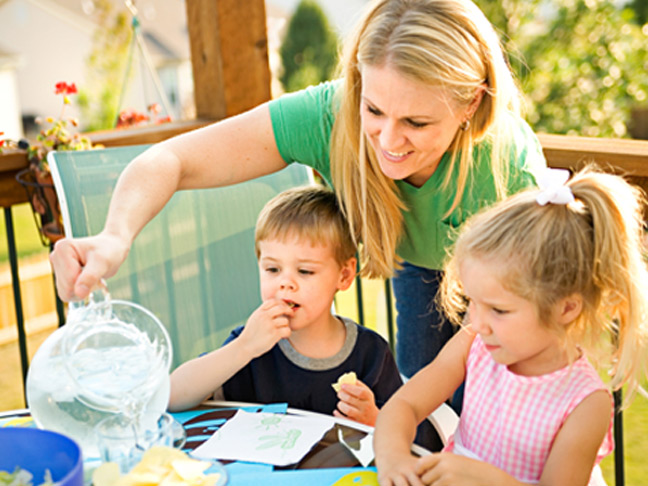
pixel 349 378
pixel 159 465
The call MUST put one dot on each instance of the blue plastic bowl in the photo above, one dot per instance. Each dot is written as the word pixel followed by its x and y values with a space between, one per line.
pixel 37 450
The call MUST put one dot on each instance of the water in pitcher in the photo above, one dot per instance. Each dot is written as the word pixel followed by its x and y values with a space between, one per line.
pixel 117 366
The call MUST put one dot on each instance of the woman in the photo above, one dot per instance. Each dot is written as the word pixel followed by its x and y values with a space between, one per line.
pixel 421 130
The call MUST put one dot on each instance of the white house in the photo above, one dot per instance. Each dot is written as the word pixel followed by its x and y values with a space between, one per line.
pixel 43 42
pixel 53 38
pixel 10 122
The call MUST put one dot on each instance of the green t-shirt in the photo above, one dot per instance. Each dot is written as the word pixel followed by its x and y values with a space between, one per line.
pixel 302 124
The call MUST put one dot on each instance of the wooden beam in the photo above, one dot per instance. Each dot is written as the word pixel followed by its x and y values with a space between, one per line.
pixel 11 192
pixel 229 56
pixel 145 134
pixel 623 156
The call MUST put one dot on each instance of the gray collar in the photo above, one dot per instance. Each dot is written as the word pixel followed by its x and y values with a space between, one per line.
pixel 321 364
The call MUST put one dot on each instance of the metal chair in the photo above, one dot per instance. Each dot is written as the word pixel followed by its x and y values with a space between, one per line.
pixel 193 265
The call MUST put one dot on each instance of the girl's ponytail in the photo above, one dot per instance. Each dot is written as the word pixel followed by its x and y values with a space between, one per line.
pixel 618 270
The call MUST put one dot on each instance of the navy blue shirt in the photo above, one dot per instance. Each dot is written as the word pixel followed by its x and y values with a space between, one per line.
pixel 284 375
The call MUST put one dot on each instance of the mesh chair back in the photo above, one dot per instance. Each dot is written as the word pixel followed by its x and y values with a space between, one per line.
pixel 193 265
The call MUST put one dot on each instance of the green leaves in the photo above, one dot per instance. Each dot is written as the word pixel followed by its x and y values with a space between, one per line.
pixel 309 49
pixel 582 63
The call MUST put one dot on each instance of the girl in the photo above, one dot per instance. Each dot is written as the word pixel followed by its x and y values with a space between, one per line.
pixel 538 280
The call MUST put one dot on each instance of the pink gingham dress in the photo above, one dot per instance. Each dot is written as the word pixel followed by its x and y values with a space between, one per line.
pixel 510 421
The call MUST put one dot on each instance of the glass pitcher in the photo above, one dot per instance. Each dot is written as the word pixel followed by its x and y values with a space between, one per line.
pixel 111 357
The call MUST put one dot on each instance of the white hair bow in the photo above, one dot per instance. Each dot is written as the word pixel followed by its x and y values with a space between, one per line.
pixel 552 187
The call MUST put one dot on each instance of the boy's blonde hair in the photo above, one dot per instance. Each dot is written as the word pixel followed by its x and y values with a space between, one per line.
pixel 309 213
pixel 591 247
pixel 442 43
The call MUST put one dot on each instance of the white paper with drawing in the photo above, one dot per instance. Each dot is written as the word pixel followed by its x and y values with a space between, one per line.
pixel 265 437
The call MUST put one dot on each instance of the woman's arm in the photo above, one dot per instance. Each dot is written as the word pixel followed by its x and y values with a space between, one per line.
pixel 230 151
pixel 411 404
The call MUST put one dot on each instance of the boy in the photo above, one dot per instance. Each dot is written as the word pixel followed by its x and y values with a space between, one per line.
pixel 292 349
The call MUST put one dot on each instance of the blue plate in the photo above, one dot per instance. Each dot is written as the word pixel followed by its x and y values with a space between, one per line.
pixel 37 450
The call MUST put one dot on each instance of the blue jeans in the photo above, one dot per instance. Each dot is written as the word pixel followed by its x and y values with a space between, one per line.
pixel 421 329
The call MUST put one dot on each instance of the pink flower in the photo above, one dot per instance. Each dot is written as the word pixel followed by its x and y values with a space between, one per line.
pixel 154 108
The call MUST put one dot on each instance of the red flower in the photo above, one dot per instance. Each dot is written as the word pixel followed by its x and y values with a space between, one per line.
pixel 64 88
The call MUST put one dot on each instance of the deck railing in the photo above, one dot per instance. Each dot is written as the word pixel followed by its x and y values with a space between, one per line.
pixel 621 156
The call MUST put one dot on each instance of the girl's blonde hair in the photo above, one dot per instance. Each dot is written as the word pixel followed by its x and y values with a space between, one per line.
pixel 591 247
pixel 442 43
pixel 310 213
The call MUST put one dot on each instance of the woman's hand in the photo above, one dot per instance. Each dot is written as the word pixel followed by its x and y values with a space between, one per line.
pixel 80 263
pixel 266 326
pixel 357 403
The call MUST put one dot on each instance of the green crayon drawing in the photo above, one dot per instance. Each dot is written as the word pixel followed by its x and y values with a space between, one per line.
pixel 269 421
pixel 285 439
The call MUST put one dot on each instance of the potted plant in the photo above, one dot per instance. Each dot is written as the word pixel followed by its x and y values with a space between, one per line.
pixel 57 134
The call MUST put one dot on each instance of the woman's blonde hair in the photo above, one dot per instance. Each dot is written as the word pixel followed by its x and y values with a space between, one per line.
pixel 310 213
pixel 591 247
pixel 442 43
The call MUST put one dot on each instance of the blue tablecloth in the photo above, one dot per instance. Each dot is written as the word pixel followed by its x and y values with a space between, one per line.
pixel 202 422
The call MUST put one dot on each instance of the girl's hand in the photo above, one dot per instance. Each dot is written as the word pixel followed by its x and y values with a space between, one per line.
pixel 448 469
pixel 398 470
pixel 357 403
pixel 266 326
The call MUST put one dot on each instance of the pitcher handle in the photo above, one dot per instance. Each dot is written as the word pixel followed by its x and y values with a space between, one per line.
pixel 97 296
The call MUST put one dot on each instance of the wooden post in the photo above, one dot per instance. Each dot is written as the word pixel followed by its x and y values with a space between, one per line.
pixel 229 55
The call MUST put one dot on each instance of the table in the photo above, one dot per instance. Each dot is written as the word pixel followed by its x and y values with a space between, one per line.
pixel 327 462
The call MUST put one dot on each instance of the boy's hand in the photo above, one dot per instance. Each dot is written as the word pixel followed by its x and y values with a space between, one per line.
pixel 266 326
pixel 357 403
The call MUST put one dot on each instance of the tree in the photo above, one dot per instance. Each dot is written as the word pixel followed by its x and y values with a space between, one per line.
pixel 106 64
pixel 640 8
pixel 309 49
pixel 582 63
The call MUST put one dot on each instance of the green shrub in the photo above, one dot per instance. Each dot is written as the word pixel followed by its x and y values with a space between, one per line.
pixel 582 63
pixel 309 50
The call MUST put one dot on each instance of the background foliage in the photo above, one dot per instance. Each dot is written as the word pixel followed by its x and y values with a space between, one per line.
pixel 106 65
pixel 582 63
pixel 309 50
